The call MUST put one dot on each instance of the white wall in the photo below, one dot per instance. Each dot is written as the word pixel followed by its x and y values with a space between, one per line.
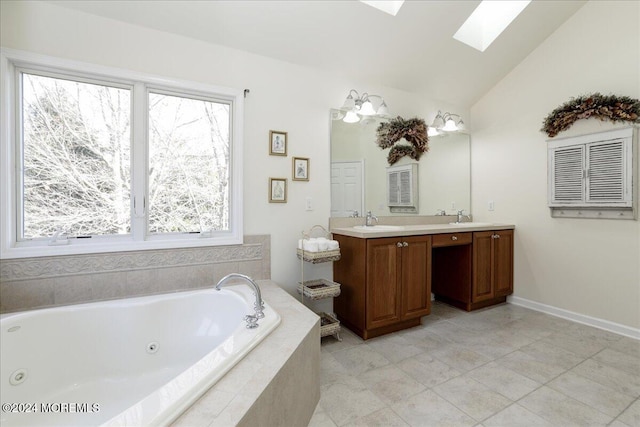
pixel 591 267
pixel 283 97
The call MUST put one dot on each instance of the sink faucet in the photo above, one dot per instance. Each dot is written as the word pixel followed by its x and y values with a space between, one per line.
pixel 355 214
pixel 258 306
pixel 460 216
pixel 369 219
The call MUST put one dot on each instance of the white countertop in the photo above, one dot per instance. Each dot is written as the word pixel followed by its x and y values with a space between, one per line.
pixel 382 230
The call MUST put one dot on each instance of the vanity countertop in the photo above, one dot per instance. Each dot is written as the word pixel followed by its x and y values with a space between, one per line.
pixel 377 231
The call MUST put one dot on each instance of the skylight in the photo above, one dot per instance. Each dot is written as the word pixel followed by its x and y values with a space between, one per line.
pixel 485 24
pixel 391 7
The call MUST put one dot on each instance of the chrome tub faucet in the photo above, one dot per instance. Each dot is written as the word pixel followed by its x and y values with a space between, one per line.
pixel 369 219
pixel 252 320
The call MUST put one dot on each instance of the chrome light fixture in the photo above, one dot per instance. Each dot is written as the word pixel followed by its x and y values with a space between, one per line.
pixel 357 105
pixel 446 122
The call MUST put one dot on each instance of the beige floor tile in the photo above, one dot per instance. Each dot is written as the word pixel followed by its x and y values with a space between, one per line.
pixel 359 359
pixel 391 384
pixel 427 370
pixel 460 357
pixel 347 400
pixel 429 409
pixel 562 410
pixel 631 416
pixel 552 354
pixel 516 416
pixel 628 346
pixel 349 339
pixel 591 393
pixel 504 381
pixel 472 397
pixel 619 360
pixel 382 418
pixel 330 369
pixel 530 367
pixel 581 346
pixel 321 419
pixel 394 347
pixel 621 381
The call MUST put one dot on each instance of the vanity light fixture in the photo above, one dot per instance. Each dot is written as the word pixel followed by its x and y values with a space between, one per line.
pixel 447 122
pixel 361 105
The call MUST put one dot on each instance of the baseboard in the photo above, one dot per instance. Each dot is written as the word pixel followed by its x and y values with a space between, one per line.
pixel 577 317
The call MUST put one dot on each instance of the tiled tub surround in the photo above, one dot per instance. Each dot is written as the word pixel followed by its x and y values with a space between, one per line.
pixel 30 283
pixel 277 383
pixel 500 366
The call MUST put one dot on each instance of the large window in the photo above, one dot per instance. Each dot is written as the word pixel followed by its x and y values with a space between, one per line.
pixel 107 160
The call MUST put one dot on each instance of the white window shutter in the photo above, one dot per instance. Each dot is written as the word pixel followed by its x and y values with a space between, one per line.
pixel 568 171
pixel 605 172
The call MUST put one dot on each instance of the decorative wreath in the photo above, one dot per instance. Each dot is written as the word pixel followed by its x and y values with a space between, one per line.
pixel 413 131
pixel 611 107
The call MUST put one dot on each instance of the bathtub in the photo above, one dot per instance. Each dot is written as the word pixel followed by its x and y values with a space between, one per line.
pixel 138 361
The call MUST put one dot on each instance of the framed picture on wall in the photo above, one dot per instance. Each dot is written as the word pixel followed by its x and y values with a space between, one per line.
pixel 300 169
pixel 277 143
pixel 277 190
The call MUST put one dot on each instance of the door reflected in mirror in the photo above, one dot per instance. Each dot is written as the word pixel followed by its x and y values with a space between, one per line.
pixel 358 172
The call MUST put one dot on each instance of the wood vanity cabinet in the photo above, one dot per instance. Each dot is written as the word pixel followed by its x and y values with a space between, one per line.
pixel 385 283
pixel 492 265
pixel 475 271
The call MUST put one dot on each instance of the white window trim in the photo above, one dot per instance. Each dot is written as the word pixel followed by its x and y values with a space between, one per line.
pixel 9 248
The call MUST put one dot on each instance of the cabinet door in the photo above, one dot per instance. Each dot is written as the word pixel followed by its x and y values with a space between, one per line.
pixel 416 277
pixel 383 282
pixel 482 288
pixel 503 262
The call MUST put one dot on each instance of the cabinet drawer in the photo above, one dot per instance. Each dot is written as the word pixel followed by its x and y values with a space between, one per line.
pixel 451 239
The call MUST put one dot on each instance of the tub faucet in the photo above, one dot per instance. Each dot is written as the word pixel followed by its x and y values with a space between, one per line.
pixel 369 219
pixel 259 304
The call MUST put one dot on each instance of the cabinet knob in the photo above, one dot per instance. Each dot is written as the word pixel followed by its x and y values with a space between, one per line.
pixel 454 237
pixel 495 236
pixel 399 244
pixel 405 244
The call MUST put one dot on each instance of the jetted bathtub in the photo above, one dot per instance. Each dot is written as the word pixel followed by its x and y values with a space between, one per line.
pixel 138 361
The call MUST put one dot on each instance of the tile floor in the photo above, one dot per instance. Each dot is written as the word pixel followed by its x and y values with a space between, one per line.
pixel 501 366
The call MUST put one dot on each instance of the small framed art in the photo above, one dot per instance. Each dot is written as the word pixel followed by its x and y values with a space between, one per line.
pixel 300 169
pixel 277 190
pixel 277 143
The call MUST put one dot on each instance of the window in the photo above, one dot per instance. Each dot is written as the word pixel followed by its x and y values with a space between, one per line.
pixel 592 175
pixel 97 159
pixel 402 188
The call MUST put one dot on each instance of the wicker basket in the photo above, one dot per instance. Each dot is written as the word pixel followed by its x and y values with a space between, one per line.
pixel 319 289
pixel 329 325
pixel 318 257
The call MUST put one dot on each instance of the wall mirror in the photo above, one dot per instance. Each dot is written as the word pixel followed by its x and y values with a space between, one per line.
pixel 359 166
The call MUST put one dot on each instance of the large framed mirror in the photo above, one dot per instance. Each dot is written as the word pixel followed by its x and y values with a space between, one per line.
pixel 359 172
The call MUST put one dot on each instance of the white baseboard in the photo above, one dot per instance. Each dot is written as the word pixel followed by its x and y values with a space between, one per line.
pixel 577 317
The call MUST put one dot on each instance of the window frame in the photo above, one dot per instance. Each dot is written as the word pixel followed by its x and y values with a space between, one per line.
pixel 14 61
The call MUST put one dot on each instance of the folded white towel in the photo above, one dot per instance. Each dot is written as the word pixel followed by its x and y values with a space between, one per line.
pixel 310 246
pixel 333 245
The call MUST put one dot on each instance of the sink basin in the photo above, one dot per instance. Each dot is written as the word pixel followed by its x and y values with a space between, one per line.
pixel 471 224
pixel 379 227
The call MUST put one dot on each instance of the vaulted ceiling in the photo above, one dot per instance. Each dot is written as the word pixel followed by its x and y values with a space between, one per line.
pixel 412 51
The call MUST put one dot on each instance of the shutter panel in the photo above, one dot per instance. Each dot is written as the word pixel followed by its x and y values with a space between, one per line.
pixel 605 172
pixel 393 188
pixel 568 185
pixel 405 187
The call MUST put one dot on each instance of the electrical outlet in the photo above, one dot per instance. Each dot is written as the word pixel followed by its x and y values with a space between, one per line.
pixel 309 204
pixel 490 205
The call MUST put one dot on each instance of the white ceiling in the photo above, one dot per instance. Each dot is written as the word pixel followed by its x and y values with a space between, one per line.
pixel 413 51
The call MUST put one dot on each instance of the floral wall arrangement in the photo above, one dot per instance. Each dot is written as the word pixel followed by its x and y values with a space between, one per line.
pixel 413 131
pixel 610 107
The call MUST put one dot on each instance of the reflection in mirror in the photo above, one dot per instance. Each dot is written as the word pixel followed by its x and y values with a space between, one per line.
pixel 359 166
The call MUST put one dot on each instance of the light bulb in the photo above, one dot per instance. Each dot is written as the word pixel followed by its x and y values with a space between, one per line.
pixel 351 117
pixel 367 109
pixel 349 103
pixel 383 110
pixel 450 126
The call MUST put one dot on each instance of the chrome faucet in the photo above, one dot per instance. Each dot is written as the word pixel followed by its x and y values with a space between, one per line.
pixel 252 320
pixel 460 216
pixel 355 214
pixel 369 219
